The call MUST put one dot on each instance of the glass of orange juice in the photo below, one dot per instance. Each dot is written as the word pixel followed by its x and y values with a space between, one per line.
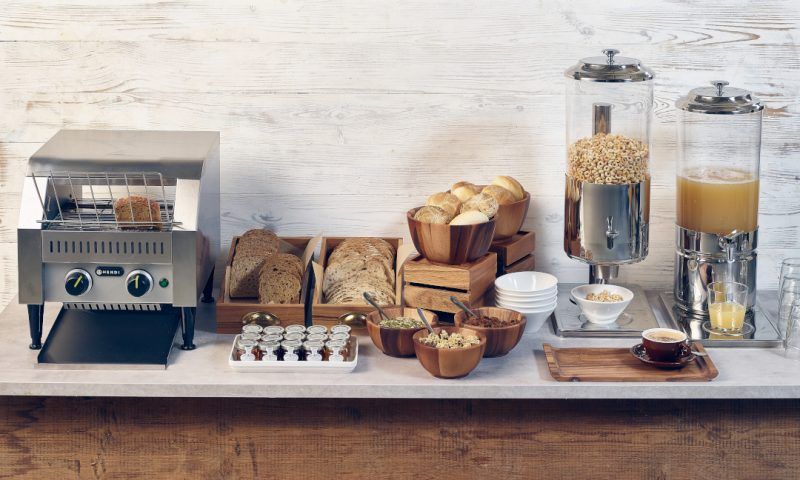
pixel 727 306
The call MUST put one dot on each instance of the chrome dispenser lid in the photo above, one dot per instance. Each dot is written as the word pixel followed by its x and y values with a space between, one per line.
pixel 610 68
pixel 720 100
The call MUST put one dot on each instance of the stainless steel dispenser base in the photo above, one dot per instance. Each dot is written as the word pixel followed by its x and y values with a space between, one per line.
pixel 765 333
pixel 568 322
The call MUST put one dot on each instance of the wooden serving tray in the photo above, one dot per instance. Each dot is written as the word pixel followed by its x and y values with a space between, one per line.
pixel 619 365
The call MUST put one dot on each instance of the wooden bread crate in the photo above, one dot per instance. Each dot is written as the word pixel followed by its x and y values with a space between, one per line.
pixel 515 254
pixel 327 313
pixel 230 310
pixel 430 285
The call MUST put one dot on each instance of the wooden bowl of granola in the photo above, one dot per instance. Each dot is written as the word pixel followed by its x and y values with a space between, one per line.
pixel 396 342
pixel 501 335
pixel 450 362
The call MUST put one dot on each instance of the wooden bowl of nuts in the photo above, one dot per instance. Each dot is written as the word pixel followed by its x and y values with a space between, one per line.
pixel 393 337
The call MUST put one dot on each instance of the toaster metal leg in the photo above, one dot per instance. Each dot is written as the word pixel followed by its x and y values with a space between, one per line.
pixel 208 290
pixel 36 322
pixel 187 328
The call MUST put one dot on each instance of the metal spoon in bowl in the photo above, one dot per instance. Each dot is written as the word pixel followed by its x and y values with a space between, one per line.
pixel 463 307
pixel 372 302
pixel 425 321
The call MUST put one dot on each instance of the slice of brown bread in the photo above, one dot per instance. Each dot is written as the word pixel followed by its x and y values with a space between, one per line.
pixel 276 287
pixel 354 287
pixel 376 266
pixel 245 272
pixel 280 279
pixel 257 242
pixel 144 212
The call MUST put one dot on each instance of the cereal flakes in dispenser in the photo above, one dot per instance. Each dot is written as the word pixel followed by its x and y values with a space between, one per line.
pixel 607 195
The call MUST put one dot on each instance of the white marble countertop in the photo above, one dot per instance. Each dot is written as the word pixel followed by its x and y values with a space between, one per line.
pixel 204 372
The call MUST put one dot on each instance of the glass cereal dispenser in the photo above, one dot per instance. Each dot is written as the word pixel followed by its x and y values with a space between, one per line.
pixel 717 183
pixel 607 195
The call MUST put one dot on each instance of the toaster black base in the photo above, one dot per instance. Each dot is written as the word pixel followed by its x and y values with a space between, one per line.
pixel 94 339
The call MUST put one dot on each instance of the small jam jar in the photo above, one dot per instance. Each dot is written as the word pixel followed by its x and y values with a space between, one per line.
pixel 273 330
pixel 252 328
pixel 251 336
pixel 272 337
pixel 313 350
pixel 296 328
pixel 335 350
pixel 245 350
pixel 270 350
pixel 291 350
pixel 317 329
pixel 341 329
pixel 340 336
pixel 317 337
pixel 294 336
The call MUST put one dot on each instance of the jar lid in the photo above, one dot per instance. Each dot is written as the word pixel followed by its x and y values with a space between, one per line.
pixel 610 68
pixel 720 100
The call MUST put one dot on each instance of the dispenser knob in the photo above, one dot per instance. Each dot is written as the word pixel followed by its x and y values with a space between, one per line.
pixel 139 283
pixel 77 282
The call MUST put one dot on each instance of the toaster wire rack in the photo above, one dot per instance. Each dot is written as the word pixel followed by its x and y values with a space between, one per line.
pixel 91 196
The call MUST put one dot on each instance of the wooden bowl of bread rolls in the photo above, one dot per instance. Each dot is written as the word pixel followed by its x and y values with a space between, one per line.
pixel 512 209
pixel 442 238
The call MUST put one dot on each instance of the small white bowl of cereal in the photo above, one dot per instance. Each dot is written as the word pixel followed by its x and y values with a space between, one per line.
pixel 601 304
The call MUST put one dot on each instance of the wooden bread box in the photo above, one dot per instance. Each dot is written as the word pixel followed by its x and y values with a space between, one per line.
pixel 430 285
pixel 231 310
pixel 328 313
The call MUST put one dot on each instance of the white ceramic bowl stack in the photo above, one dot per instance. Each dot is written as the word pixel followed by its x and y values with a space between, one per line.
pixel 533 294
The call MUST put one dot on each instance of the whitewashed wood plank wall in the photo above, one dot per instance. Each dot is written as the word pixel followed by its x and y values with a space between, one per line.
pixel 337 116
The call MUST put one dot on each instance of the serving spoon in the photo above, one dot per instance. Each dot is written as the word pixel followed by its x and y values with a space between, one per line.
pixel 460 305
pixel 425 321
pixel 372 302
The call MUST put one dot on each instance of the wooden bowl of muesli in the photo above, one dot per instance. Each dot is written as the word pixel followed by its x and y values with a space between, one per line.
pixel 450 362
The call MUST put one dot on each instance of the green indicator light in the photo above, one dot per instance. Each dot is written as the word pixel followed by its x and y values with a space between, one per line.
pixel 163 283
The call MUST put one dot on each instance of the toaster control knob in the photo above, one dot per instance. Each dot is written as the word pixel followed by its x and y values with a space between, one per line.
pixel 77 282
pixel 139 283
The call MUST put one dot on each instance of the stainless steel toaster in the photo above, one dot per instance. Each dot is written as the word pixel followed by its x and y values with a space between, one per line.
pixel 78 244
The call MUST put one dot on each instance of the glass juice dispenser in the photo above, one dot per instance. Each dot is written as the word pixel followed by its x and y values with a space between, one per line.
pixel 607 196
pixel 719 148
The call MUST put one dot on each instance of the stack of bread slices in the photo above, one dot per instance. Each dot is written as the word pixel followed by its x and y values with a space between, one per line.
pixel 359 265
pixel 259 270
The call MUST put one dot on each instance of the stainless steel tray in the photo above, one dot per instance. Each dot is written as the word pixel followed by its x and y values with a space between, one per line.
pixel 638 317
pixel 765 333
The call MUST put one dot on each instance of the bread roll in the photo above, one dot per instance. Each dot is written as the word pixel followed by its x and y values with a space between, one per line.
pixel 503 196
pixel 464 190
pixel 511 185
pixel 446 201
pixel 482 202
pixel 431 214
pixel 471 217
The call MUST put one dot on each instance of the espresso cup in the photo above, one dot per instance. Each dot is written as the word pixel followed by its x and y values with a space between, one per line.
pixel 664 344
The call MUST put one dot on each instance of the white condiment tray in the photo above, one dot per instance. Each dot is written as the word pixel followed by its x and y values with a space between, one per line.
pixel 276 366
